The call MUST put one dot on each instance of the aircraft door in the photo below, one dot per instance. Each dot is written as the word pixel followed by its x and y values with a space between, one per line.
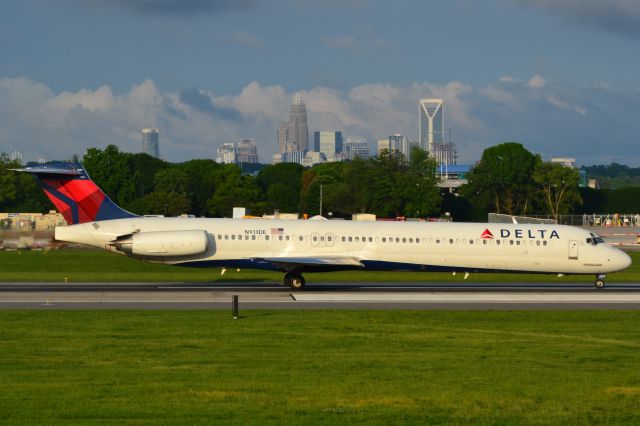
pixel 328 239
pixel 573 249
pixel 315 237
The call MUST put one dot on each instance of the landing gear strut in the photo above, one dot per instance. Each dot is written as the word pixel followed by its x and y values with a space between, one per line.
pixel 295 280
pixel 599 281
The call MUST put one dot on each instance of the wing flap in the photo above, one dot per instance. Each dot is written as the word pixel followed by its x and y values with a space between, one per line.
pixel 342 261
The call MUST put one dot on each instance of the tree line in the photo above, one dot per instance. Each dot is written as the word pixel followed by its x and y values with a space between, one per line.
pixel 508 179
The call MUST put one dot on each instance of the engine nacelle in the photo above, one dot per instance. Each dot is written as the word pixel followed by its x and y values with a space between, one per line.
pixel 163 243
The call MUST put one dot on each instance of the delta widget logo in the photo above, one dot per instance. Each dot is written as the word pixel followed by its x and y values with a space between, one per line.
pixel 486 234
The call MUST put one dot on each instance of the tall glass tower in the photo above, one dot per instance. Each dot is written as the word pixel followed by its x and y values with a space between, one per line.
pixel 298 132
pixel 431 123
pixel 150 140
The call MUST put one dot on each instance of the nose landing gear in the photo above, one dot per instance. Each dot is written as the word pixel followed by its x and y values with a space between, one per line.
pixel 294 280
pixel 599 281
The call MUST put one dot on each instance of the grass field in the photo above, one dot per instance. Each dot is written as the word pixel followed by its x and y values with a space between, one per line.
pixel 99 266
pixel 319 367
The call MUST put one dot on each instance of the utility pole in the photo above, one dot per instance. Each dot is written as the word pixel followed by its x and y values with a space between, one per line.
pixel 320 199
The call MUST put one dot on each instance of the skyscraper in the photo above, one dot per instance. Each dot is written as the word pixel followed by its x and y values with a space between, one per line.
pixel 431 132
pixel 150 141
pixel 298 130
pixel 227 153
pixel 328 143
pixel 283 136
pixel 356 146
pixel 247 152
pixel 431 123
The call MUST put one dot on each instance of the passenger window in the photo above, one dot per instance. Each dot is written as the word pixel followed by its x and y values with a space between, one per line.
pixel 315 238
pixel 266 237
pixel 300 238
pixel 450 240
pixel 233 237
pixel 510 242
pixel 518 242
pixel 344 239
pixel 253 237
pixel 437 240
pixel 484 242
pixel 226 237
pixel 404 240
pixel 364 239
pixel 470 241
pixel 321 237
pixel 544 243
pixel 397 240
pixel 280 237
pixel 538 242
pixel 219 236
pixel 328 238
pixel 350 239
pixel 370 239
pixel 497 242
pixel 384 239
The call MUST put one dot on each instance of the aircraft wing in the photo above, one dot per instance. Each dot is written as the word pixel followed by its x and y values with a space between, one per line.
pixel 321 262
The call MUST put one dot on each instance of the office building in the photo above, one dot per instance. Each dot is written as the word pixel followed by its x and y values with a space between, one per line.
pixel 356 146
pixel 150 142
pixel 328 143
pixel 431 124
pixel 227 154
pixel 397 144
pixel 283 136
pixel 247 152
pixel 564 161
pixel 431 132
pixel 15 156
pixel 298 129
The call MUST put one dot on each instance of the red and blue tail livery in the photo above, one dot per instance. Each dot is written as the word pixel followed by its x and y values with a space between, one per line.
pixel 74 194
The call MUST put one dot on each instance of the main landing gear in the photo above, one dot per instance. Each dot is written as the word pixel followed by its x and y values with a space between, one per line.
pixel 599 281
pixel 295 280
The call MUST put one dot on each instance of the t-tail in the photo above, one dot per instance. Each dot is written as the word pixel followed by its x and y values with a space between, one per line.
pixel 74 194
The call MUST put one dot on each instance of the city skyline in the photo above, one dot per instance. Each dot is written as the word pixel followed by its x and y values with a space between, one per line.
pixel 559 77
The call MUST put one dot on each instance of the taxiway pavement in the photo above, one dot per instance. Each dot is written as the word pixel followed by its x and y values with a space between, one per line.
pixel 352 295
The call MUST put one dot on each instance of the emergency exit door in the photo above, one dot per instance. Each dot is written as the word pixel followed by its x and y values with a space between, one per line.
pixel 573 249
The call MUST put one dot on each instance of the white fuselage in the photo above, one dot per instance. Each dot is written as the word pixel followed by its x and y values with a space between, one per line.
pixel 377 245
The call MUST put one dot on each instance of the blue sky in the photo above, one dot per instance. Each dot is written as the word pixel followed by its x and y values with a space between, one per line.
pixel 561 76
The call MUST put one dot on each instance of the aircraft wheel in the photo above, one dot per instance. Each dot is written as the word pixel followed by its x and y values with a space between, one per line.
pixel 297 282
pixel 599 283
pixel 287 279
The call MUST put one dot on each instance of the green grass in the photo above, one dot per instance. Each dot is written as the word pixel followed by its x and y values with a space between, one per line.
pixel 319 367
pixel 99 266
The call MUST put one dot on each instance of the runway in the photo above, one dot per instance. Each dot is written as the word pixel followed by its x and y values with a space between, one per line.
pixel 352 295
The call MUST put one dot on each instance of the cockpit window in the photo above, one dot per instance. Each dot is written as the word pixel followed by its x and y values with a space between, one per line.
pixel 595 240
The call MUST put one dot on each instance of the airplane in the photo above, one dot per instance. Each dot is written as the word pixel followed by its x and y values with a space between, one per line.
pixel 318 244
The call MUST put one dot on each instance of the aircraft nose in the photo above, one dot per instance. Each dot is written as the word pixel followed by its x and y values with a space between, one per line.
pixel 623 260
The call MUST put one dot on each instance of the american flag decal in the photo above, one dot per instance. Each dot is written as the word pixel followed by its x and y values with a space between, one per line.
pixel 277 231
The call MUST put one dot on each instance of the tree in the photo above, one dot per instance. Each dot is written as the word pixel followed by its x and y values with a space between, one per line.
pixel 7 180
pixel 559 187
pixel 502 180
pixel 232 190
pixel 422 196
pixel 110 170
pixel 281 185
pixel 161 203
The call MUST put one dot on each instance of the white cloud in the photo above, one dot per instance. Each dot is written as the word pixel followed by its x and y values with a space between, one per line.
pixel 536 82
pixel 550 118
